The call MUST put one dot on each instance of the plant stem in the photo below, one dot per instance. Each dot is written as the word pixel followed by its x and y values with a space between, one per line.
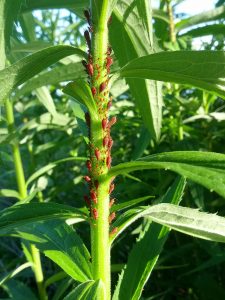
pixel 100 207
pixel 171 19
pixel 21 183
pixel 16 152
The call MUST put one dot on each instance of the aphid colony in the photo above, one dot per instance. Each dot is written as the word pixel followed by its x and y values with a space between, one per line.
pixel 100 157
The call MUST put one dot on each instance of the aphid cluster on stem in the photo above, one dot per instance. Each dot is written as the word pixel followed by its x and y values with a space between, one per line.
pixel 100 160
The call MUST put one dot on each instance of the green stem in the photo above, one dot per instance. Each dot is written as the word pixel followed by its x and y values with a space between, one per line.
pixel 171 18
pixel 21 183
pixel 100 225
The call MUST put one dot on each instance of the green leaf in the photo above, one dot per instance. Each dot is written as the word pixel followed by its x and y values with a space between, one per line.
pixel 130 203
pixel 189 221
pixel 160 14
pixel 45 98
pixel 202 69
pixel 55 76
pixel 9 193
pixel 51 166
pixel 50 4
pixel 90 290
pixel 205 168
pixel 61 244
pixel 26 68
pixel 18 290
pixel 81 91
pixel 183 219
pixel 214 29
pixel 146 251
pixel 30 47
pixel 133 20
pixel 210 15
pixel 14 272
pixel 22 214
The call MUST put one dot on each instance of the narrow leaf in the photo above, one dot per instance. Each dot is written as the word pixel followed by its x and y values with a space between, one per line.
pixel 205 168
pixel 133 20
pixel 202 69
pixel 210 15
pixel 45 98
pixel 189 221
pixel 26 68
pixel 50 4
pixel 9 193
pixel 81 91
pixel 146 251
pixel 214 29
pixel 18 290
pixel 61 244
pixel 90 290
pixel 22 214
pixel 54 76
pixel 51 166
pixel 129 203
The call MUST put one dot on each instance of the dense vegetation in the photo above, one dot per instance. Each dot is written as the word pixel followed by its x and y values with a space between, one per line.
pixel 163 149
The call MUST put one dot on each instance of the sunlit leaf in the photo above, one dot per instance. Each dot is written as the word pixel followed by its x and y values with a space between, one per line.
pixel 150 245
pixel 205 168
pixel 202 69
pixel 26 68
pixel 22 214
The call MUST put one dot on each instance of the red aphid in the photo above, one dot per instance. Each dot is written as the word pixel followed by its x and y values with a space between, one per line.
pixel 114 231
pixel 110 143
pixel 112 201
pixel 95 213
pixel 93 197
pixel 90 69
pixel 87 178
pixel 94 91
pixel 112 121
pixel 109 104
pixel 87 38
pixel 105 141
pixel 102 86
pixel 88 164
pixel 108 161
pixel 97 154
pixel 112 217
pixel 104 123
pixel 88 119
pixel 111 188
pixel 109 61
pixel 96 184
pixel 87 200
